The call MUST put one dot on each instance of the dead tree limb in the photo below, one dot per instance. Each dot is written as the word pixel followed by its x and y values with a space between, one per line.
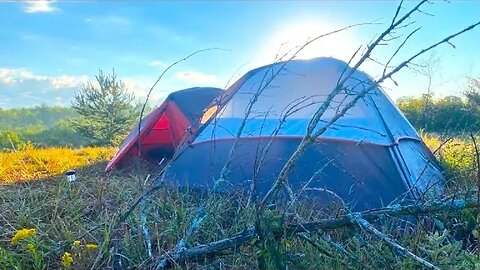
pixel 477 159
pixel 143 223
pixel 308 139
pixel 212 249
pixel 201 251
pixel 264 84
pixel 311 135
pixel 357 218
pixel 391 211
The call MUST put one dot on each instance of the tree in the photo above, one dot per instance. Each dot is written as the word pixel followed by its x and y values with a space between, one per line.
pixel 450 114
pixel 106 110
pixel 427 67
pixel 473 92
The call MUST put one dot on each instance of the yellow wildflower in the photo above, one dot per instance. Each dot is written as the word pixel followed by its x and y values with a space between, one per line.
pixel 31 247
pixel 67 259
pixel 91 246
pixel 22 234
pixel 76 243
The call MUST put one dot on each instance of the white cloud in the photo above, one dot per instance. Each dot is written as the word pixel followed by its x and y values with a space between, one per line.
pixel 157 63
pixel 20 87
pixel 13 77
pixel 117 20
pixel 195 77
pixel 138 87
pixel 37 6
pixel 66 81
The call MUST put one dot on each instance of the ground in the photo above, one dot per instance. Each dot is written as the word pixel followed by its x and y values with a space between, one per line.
pixel 47 222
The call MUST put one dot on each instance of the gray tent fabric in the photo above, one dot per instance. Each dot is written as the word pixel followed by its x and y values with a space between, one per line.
pixel 192 101
pixel 370 157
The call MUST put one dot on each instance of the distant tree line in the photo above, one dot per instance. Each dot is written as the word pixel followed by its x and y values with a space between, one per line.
pixel 41 126
pixel 450 114
pixel 47 116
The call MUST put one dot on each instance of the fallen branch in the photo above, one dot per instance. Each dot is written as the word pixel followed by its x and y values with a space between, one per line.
pixel 357 218
pixel 392 211
pixel 312 242
pixel 212 249
pixel 201 251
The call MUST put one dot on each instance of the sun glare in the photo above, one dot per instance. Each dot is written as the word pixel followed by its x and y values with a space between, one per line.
pixel 289 37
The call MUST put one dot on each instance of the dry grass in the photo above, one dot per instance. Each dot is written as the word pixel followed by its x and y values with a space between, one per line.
pixel 32 164
pixel 62 212
pixel 86 210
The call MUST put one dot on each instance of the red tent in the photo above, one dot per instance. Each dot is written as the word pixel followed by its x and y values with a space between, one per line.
pixel 163 130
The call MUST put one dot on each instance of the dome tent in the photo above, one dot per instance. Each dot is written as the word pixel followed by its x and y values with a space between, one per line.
pixel 163 130
pixel 369 158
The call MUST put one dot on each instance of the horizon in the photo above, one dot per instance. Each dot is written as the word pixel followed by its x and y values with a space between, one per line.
pixel 51 48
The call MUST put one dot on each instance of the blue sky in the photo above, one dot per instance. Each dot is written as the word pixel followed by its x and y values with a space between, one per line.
pixel 49 48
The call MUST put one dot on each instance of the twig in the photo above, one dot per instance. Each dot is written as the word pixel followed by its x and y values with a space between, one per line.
pixel 392 211
pixel 308 139
pixel 155 84
pixel 143 222
pixel 202 251
pixel 338 247
pixel 477 158
pixel 357 218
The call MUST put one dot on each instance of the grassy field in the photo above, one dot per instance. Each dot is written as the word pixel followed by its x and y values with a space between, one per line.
pixel 49 223
pixel 32 164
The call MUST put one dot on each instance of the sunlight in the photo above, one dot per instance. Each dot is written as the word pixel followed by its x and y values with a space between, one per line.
pixel 289 36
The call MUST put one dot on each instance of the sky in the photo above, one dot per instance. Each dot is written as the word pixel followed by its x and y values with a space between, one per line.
pixel 48 49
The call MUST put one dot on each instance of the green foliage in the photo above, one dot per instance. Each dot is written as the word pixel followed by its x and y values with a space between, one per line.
pixel 61 134
pixel 473 91
pixel 10 140
pixel 46 116
pixel 457 158
pixel 106 111
pixel 450 114
pixel 41 126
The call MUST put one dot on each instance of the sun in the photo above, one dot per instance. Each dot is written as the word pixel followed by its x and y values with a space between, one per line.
pixel 289 36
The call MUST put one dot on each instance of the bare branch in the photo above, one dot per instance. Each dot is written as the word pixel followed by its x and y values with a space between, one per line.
pixel 155 84
pixel 399 7
pixel 170 259
pixel 398 49
pixel 308 139
pixel 405 252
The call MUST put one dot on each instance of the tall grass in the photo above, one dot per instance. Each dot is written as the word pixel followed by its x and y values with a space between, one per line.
pixel 457 157
pixel 31 163
pixel 69 216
